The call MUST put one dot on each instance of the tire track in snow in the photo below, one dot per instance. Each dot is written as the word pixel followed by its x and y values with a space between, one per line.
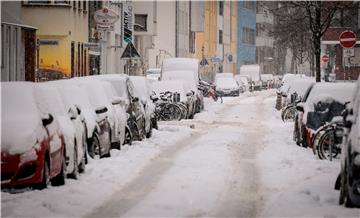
pixel 242 197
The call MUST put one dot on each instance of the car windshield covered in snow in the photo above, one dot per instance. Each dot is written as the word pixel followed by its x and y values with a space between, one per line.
pixel 180 64
pixel 141 86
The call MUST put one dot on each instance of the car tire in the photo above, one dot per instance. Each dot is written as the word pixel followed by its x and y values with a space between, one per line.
pixel 60 178
pixel 149 134
pixel 94 147
pixel 342 187
pixel 128 136
pixel 347 200
pixel 45 176
pixel 83 160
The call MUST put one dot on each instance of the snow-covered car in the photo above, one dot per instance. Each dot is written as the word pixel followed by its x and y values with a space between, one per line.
pixel 177 86
pixel 32 145
pixel 243 82
pixel 143 92
pixel 325 101
pixel 105 117
pixel 125 90
pixel 267 80
pixel 49 100
pixel 349 182
pixel 153 74
pixel 185 64
pixel 296 90
pixel 253 72
pixel 96 129
pixel 227 86
pixel 191 82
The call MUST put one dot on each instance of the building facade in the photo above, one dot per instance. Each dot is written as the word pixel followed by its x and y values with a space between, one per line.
pixel 61 35
pixel 264 42
pixel 246 48
pixel 18 52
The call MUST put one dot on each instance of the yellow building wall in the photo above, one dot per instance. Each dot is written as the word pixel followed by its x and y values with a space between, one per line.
pixel 64 24
pixel 207 39
pixel 233 36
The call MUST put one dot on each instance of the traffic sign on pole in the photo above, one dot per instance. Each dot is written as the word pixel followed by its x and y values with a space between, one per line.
pixel 347 39
pixel 325 58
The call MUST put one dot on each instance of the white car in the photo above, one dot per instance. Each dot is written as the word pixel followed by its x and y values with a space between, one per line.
pixel 191 82
pixel 227 86
pixel 143 92
pixel 243 82
pixel 49 100
pixel 153 74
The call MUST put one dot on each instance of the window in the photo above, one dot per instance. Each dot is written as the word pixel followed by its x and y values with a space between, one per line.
pixel 221 8
pixel 220 37
pixel 342 18
pixel 248 36
pixel 84 5
pixel 61 2
pixel 79 5
pixel 39 2
pixel 140 22
pixel 249 5
pixel 192 42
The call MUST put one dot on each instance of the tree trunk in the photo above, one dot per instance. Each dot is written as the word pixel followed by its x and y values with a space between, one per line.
pixel 317 40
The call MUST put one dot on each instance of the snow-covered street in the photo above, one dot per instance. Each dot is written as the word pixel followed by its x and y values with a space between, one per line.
pixel 235 159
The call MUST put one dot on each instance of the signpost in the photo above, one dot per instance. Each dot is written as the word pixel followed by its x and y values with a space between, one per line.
pixel 106 17
pixel 347 39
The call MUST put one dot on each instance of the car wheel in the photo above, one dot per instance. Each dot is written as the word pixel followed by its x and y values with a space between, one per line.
pixel 75 172
pixel 94 147
pixel 60 178
pixel 148 134
pixel 116 145
pixel 45 176
pixel 342 186
pixel 128 136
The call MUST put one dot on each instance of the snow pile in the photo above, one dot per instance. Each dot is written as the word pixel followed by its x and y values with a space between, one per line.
pixel 21 124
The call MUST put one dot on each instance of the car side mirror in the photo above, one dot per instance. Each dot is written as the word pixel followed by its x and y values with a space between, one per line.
pixel 135 99
pixel 48 119
pixel 73 113
pixel 101 110
pixel 189 94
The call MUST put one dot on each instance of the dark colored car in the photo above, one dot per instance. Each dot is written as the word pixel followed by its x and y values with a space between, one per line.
pixel 349 180
pixel 32 146
pixel 322 102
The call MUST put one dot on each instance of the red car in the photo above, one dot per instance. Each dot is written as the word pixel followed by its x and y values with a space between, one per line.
pixel 32 148
pixel 322 103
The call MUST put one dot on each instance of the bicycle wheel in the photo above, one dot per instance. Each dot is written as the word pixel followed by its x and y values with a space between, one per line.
pixel 326 141
pixel 289 114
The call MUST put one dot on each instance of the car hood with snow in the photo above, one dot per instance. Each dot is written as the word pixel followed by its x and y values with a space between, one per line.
pixel 226 83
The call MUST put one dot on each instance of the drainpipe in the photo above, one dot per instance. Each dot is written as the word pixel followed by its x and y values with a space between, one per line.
pixel 176 28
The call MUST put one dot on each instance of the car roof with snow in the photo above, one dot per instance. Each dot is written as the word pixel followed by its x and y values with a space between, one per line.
pixel 176 64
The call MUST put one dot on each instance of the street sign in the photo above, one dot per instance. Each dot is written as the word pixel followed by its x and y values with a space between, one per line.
pixel 94 45
pixel 128 20
pixel 325 58
pixel 348 52
pixel 106 17
pixel 130 52
pixel 347 39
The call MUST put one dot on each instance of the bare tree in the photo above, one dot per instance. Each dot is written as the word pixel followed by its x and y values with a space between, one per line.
pixel 317 15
